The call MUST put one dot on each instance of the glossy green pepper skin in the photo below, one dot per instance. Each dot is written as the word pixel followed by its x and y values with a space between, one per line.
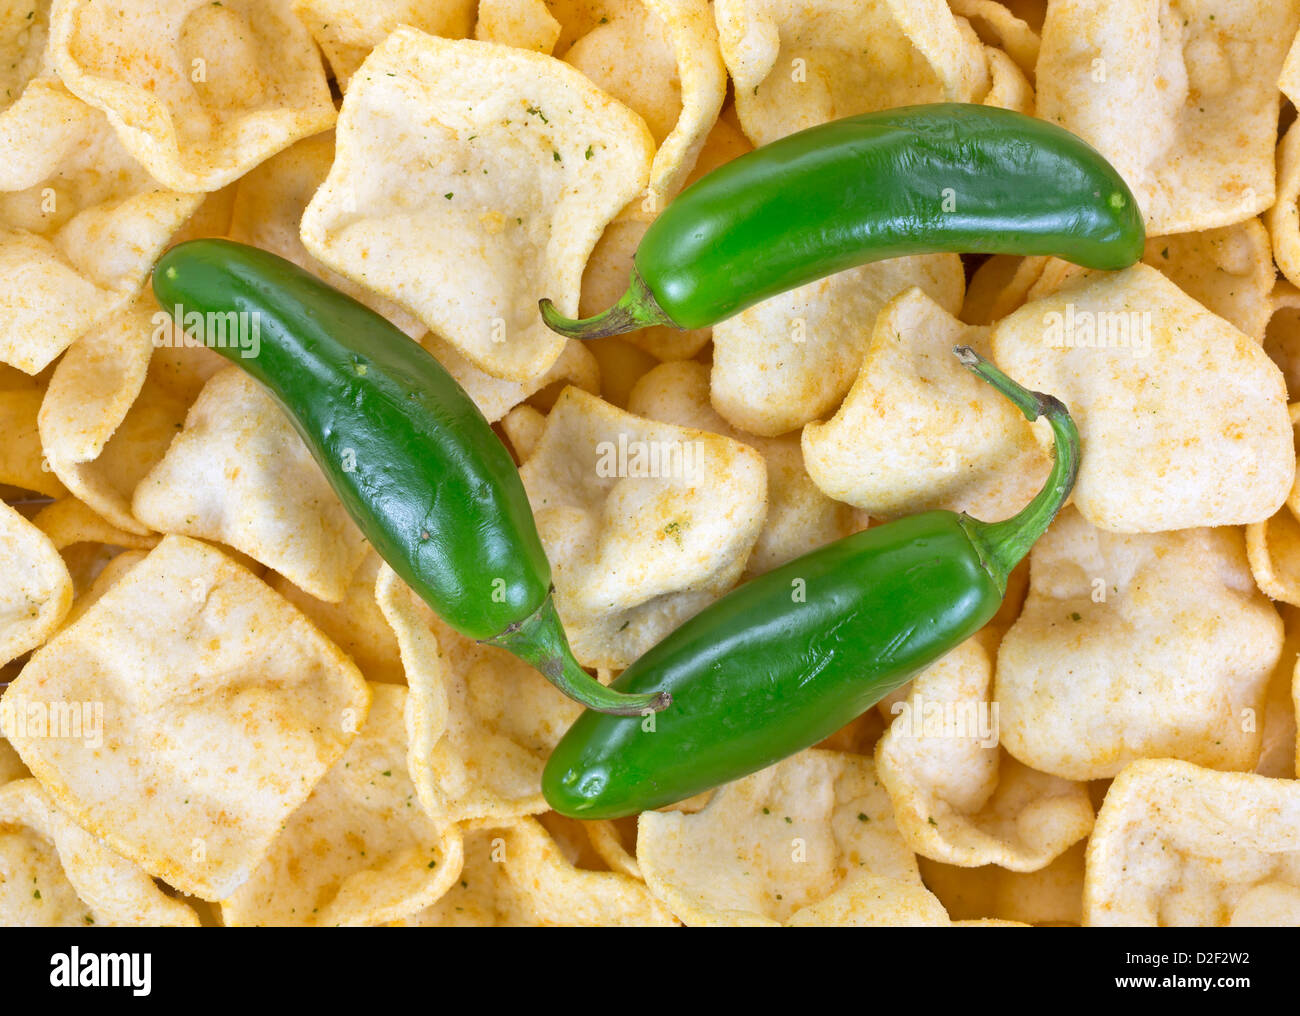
pixel 781 663
pixel 406 450
pixel 916 180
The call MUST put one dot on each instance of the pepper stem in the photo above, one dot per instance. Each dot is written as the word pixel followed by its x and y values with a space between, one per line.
pixel 636 308
pixel 539 640
pixel 1004 544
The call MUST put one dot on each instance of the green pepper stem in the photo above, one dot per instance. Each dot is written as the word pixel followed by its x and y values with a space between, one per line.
pixel 636 308
pixel 539 639
pixel 1003 545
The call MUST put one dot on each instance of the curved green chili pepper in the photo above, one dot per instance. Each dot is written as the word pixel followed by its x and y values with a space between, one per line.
pixel 783 662
pixel 915 180
pixel 406 450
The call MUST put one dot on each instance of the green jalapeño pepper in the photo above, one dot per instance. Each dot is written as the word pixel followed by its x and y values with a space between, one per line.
pixel 916 180
pixel 784 661
pixel 406 450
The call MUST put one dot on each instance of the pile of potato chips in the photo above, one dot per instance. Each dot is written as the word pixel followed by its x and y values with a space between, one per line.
pixel 223 708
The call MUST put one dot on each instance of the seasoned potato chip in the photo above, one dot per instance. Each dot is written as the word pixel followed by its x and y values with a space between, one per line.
pixel 110 573
pixel 36 591
pixel 269 204
pixel 199 92
pixel 956 798
pixel 55 874
pixel 360 849
pixel 1136 646
pixel 997 25
pixel 661 59
pixel 1282 336
pixel 494 397
pixel 1273 549
pixel 207 708
pixel 495 166
pixel 524 427
pixel 527 24
pixel 240 474
pixel 1008 88
pixel 1283 217
pixel 1176 844
pixel 355 624
pixel 1277 753
pixel 22 460
pixel 919 431
pixel 11 766
pixel 798 63
pixel 1228 271
pixel 1185 108
pixel 1183 418
pixel 799 517
pixel 68 521
pixel 644 523
pixel 77 241
pixel 1000 285
pixel 790 360
pixel 809 839
pixel 515 875
pixel 482 721
pixel 347 30
pixel 1050 896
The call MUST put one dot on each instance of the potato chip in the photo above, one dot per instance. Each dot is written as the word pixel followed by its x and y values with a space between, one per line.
pixel 1228 271
pixel 615 842
pixel 644 523
pixel 1008 88
pixel 1283 218
pixel 1282 335
pixel 524 427
pixel 77 242
pixel 918 431
pixel 269 204
pixel 482 722
pixel 22 460
pixel 360 849
pixel 1183 418
pixel 11 766
pixel 1049 896
pixel 1277 753
pixel 496 166
pixel 240 474
pixel 106 484
pixel 956 797
pixel 1176 844
pixel 798 63
pixel 347 30
pixel 661 59
pixel 790 359
pixel 55 874
pixel 68 521
pixel 37 590
pixel 110 573
pixel 516 876
pixel 1185 108
pixel 355 624
pixel 810 839
pixel 1273 550
pixel 998 26
pixel 527 24
pixel 199 93
pixel 207 708
pixel 998 286
pixel 494 397
pixel 1136 646
pixel 800 517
